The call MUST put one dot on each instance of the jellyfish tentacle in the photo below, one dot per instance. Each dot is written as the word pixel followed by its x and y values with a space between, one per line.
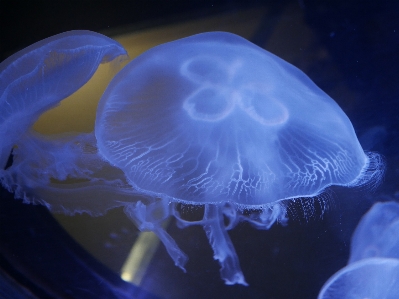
pixel 216 232
pixel 178 256
pixel 372 173
pixel 268 216
pixel 146 218
pixel 233 216
pixel 182 223
pixel 65 174
pixel 222 246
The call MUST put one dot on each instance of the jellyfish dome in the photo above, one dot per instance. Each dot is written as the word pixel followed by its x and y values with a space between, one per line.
pixel 214 120
pixel 224 120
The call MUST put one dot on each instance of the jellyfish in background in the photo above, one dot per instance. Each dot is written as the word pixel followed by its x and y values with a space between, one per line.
pixel 373 266
pixel 368 278
pixel 32 81
pixel 209 120
pixel 40 76
pixel 377 234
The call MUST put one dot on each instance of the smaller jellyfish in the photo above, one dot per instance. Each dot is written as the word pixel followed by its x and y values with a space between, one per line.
pixel 368 278
pixel 373 267
pixel 377 234
pixel 38 77
pixel 32 81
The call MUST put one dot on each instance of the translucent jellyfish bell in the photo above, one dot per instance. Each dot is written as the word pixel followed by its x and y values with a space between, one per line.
pixel 213 119
pixel 377 234
pixel 224 120
pixel 32 81
pixel 367 278
pixel 373 266
pixel 38 77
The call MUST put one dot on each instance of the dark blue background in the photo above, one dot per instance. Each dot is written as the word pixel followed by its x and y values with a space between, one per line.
pixel 362 39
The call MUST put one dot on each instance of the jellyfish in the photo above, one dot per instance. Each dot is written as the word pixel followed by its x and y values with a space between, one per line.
pixel 227 125
pixel 368 278
pixel 210 120
pixel 373 266
pixel 38 77
pixel 377 234
pixel 32 81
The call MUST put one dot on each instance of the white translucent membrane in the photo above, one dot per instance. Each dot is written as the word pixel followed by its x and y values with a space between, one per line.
pixel 207 120
pixel 66 174
pixel 373 267
pixel 38 77
pixel 32 81
pixel 225 120
pixel 214 120
pixel 371 278
pixel 377 234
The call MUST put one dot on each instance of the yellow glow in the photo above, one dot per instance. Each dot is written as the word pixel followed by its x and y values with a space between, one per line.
pixel 77 112
pixel 139 257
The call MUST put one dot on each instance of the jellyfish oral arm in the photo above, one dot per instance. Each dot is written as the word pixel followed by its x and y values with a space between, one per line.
pixel 222 246
pixel 142 216
pixel 216 231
